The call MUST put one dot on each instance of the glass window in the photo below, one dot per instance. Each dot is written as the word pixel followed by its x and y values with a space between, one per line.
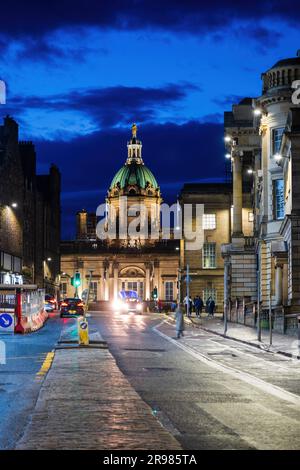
pixel 209 255
pixel 278 199
pixel 93 290
pixel 209 292
pixel 276 139
pixel 169 290
pixel 63 289
pixel 209 221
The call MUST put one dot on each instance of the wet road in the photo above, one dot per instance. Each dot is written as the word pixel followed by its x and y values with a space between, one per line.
pixel 211 393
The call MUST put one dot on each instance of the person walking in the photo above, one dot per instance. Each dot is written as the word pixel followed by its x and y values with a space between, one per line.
pixel 207 305
pixel 197 306
pixel 201 305
pixel 179 321
pixel 212 306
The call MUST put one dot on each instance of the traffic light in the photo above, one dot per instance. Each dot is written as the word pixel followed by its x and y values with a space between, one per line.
pixel 77 280
pixel 72 281
pixel 154 293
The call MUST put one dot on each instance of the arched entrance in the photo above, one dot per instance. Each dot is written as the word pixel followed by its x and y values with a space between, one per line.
pixel 132 278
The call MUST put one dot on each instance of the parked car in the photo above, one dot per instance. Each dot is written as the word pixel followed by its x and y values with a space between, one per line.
pixel 128 301
pixel 50 303
pixel 71 306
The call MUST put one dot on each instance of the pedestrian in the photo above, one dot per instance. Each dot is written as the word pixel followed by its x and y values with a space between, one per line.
pixel 179 321
pixel 207 305
pixel 160 305
pixel 212 306
pixel 186 304
pixel 190 306
pixel 197 305
pixel 201 305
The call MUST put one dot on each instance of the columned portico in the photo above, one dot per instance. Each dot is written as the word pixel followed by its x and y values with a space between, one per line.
pixel 237 196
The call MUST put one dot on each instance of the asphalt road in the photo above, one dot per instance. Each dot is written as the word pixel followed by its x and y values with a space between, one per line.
pixel 211 393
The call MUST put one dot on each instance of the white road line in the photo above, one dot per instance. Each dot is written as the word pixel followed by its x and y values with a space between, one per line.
pixel 237 374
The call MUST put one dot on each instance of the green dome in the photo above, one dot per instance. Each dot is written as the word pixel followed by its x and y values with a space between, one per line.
pixel 134 174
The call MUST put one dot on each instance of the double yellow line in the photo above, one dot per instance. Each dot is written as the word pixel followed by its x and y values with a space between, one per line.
pixel 45 366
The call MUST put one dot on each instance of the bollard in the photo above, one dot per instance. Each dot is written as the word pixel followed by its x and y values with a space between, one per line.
pixel 83 331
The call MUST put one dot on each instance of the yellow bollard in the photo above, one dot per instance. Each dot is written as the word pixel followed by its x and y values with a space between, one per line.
pixel 83 331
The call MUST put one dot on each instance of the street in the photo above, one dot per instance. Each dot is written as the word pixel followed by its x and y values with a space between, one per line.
pixel 207 391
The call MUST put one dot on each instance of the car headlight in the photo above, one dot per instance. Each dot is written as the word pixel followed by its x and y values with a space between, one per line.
pixel 117 305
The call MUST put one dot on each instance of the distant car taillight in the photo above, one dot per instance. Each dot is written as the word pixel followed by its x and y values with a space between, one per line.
pixel 81 304
pixel 64 304
pixel 52 301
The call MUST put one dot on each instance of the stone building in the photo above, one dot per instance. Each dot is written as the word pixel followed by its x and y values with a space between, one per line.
pixel 206 265
pixel 123 261
pixel 29 214
pixel 273 155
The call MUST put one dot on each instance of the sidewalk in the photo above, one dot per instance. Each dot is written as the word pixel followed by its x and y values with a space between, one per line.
pixel 86 403
pixel 281 344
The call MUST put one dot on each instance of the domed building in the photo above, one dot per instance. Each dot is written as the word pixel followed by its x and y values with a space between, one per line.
pixel 135 257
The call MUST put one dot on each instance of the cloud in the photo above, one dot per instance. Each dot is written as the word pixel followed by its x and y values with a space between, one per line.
pixel 107 107
pixel 227 100
pixel 34 17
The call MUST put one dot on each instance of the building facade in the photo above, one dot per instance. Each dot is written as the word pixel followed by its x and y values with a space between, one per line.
pixel 206 265
pixel 135 261
pixel 273 155
pixel 29 215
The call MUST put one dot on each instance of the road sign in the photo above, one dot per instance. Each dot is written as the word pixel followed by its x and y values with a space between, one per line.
pixel 7 322
pixel 83 331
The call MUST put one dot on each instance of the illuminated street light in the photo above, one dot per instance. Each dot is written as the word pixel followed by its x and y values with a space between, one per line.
pixel 250 171
pixel 257 112
pixel 49 259
pixel 14 205
pixel 227 138
pixel 227 155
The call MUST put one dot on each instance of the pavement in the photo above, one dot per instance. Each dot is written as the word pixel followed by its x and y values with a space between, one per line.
pixel 86 403
pixel 282 344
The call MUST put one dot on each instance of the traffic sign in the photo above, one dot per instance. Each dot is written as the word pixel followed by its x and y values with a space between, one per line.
pixel 83 331
pixel 7 321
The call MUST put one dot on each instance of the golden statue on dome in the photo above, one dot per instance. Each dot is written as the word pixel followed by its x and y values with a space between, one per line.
pixel 134 130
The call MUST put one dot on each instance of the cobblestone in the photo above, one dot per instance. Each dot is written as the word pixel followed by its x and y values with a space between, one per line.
pixel 87 403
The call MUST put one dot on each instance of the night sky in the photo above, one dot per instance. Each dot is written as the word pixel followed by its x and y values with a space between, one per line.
pixel 79 73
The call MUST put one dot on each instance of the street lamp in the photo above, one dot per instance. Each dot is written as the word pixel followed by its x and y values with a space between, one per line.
pixel 257 111
pixel 49 259
pixel 250 171
pixel 278 157
pixel 227 138
pixel 14 205
pixel 228 156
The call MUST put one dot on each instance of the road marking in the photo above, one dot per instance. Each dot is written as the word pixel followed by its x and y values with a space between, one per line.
pixel 237 374
pixel 45 366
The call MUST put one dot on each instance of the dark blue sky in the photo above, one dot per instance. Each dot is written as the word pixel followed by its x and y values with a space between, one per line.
pixel 79 73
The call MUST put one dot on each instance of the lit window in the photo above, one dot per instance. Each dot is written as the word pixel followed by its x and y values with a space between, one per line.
pixel 209 256
pixel 209 221
pixel 169 290
pixel 278 186
pixel 276 139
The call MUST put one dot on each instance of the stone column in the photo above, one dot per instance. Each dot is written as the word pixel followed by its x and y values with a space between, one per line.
pixel 102 294
pixel 106 281
pixel 278 284
pixel 147 281
pixel 226 291
pixel 116 279
pixel 237 196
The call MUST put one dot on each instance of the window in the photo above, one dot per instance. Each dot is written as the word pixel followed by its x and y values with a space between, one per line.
pixel 209 221
pixel 276 139
pixel 209 256
pixel 169 290
pixel 209 292
pixel 278 199
pixel 93 291
pixel 63 290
